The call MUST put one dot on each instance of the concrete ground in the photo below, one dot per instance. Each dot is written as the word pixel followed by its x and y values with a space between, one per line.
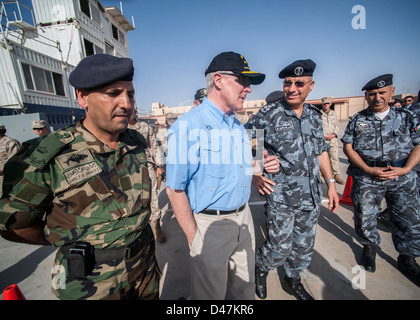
pixel 334 273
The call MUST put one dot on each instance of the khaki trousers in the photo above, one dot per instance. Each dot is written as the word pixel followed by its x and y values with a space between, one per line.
pixel 223 257
pixel 154 195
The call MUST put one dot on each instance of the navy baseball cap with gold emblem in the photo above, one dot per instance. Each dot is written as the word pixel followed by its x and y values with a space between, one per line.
pixel 299 68
pixel 232 61
pixel 379 82
pixel 98 70
pixel 200 94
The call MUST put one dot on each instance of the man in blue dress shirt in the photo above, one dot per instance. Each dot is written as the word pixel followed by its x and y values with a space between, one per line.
pixel 209 174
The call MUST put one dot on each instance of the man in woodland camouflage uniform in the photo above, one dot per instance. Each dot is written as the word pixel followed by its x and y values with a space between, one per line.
pixel 382 144
pixel 155 165
pixel 90 184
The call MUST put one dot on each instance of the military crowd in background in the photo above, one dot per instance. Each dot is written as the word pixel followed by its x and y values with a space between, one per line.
pixel 91 189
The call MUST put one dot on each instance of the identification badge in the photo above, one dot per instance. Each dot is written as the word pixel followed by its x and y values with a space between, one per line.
pixel 78 166
pixel 361 126
pixel 285 127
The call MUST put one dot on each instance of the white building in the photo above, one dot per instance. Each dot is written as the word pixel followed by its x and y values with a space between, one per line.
pixel 40 46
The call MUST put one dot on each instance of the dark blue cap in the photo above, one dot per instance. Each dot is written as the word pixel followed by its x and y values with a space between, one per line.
pixel 299 68
pixel 274 96
pixel 98 70
pixel 232 61
pixel 378 82
pixel 200 94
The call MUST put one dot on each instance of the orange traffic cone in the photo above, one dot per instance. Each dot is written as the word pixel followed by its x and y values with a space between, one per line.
pixel 13 293
pixel 345 197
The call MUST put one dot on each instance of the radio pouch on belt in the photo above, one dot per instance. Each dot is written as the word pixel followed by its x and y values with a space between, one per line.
pixel 80 260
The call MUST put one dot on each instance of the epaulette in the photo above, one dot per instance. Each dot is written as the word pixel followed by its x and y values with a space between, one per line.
pixel 265 109
pixel 137 136
pixel 363 112
pixel 310 106
pixel 409 112
pixel 49 146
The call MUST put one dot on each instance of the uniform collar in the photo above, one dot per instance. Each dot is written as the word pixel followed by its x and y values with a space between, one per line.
pixel 97 146
pixel 371 115
pixel 218 114
pixel 291 113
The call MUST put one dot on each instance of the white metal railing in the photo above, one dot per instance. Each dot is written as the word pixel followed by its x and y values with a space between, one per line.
pixel 16 16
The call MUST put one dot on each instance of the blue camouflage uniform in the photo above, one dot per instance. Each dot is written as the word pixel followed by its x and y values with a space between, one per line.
pixel 381 143
pixel 416 110
pixel 293 208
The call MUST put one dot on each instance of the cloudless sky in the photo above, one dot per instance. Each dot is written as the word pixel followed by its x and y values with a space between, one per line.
pixel 175 40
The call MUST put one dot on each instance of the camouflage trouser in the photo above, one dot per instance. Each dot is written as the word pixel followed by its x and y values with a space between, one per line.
pixel 154 195
pixel 123 279
pixel 333 154
pixel 403 201
pixel 290 239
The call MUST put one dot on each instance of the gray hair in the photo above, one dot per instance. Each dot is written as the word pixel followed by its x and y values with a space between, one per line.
pixel 210 79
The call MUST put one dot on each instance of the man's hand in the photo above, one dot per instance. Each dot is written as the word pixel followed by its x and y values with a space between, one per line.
pixel 333 200
pixel 159 171
pixel 262 184
pixel 387 173
pixel 271 163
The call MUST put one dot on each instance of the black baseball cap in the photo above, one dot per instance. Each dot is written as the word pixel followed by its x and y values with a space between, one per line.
pixel 232 61
pixel 200 94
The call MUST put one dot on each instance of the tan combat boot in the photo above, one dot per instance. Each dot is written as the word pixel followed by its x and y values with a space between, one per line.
pixel 338 179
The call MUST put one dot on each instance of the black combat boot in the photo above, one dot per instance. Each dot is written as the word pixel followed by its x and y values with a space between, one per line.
pixel 409 267
pixel 294 287
pixel 368 257
pixel 261 283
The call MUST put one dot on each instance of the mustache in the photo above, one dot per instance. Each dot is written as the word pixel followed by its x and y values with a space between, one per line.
pixel 122 112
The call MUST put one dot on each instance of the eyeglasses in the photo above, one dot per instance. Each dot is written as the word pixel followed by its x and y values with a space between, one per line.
pixel 298 84
pixel 242 80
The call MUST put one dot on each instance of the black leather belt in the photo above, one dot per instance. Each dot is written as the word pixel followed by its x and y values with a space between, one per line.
pixel 398 163
pixel 221 212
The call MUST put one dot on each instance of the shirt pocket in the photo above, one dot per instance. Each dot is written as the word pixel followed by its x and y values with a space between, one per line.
pixel 216 160
pixel 402 138
pixel 318 141
pixel 365 140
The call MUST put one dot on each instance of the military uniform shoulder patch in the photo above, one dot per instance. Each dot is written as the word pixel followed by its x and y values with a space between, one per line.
pixel 409 112
pixel 49 147
pixel 312 107
pixel 135 134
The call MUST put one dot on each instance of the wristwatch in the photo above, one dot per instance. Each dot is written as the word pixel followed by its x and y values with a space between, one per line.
pixel 329 180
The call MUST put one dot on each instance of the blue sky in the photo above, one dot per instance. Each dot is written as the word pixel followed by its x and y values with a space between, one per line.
pixel 175 40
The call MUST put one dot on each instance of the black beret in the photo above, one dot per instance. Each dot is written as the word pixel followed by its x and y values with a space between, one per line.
pixel 99 70
pixel 232 61
pixel 299 68
pixel 378 82
pixel 274 96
